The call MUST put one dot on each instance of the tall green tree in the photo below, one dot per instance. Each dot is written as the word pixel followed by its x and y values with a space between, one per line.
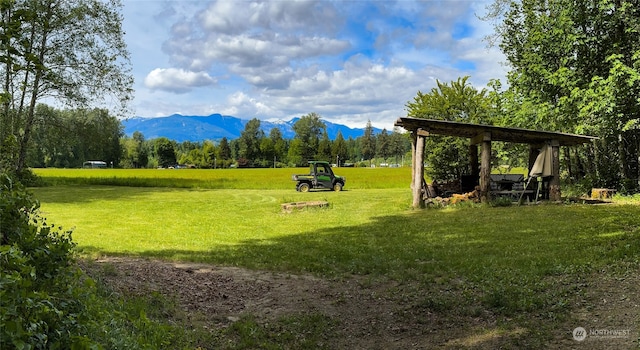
pixel 324 147
pixel 225 149
pixel 67 138
pixel 141 151
pixel 280 146
pixel 308 130
pixel 249 142
pixel 576 68
pixel 339 150
pixel 448 157
pixel 165 150
pixel 383 145
pixel 354 151
pixel 71 51
pixel 368 143
pixel 267 152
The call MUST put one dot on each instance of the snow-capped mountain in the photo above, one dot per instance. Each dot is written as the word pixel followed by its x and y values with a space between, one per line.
pixel 216 126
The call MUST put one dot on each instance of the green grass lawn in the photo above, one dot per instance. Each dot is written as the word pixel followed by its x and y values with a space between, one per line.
pixel 509 260
pixel 357 178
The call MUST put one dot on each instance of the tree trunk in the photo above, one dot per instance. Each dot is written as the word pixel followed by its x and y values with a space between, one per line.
pixel 39 68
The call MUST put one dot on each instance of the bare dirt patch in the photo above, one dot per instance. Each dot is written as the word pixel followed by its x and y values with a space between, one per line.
pixel 370 314
pixel 609 314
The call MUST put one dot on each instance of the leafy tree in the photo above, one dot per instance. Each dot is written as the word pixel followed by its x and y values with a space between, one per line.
pixel 72 51
pixel 165 152
pixel 267 151
pixel 209 155
pixel 129 152
pixel 296 149
pixel 280 146
pixel 308 130
pixel 368 143
pixel 353 149
pixel 576 68
pixel 448 157
pixel 249 141
pixel 234 146
pixel 339 150
pixel 225 149
pixel 141 151
pixel 324 147
pixel 383 145
pixel 42 295
pixel 67 138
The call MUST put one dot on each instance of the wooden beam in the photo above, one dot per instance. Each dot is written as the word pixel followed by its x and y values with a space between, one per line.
pixel 480 138
pixel 418 173
pixel 485 171
pixel 554 185
pixel 422 132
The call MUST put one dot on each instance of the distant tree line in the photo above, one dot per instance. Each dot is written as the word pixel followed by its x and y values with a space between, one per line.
pixel 68 138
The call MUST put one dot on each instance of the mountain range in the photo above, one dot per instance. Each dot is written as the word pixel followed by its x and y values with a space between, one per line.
pixel 182 128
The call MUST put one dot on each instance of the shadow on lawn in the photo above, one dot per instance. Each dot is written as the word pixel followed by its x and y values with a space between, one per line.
pixel 92 193
pixel 523 265
pixel 479 245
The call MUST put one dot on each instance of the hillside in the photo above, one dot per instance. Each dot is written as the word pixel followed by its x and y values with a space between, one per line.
pixel 216 126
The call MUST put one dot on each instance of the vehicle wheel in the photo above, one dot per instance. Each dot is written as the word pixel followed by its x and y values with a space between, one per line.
pixel 303 187
pixel 337 187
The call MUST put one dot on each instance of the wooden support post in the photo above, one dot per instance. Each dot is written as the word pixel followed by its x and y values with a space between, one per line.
pixel 414 138
pixel 554 185
pixel 418 170
pixel 485 168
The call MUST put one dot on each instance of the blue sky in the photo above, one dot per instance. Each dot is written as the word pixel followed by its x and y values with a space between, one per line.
pixel 348 61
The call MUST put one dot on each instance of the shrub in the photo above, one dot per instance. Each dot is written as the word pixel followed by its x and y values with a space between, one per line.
pixel 40 292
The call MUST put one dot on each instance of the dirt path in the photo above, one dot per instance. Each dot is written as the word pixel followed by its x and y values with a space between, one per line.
pixel 371 315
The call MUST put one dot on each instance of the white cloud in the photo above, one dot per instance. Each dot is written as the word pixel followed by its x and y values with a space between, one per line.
pixel 177 80
pixel 234 17
pixel 349 61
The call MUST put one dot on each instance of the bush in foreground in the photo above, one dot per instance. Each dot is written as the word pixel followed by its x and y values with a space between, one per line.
pixel 40 289
pixel 47 302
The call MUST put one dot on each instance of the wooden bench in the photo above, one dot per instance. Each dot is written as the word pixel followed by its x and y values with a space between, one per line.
pixel 507 182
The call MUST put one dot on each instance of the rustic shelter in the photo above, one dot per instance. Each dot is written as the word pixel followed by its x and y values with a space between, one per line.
pixel 482 136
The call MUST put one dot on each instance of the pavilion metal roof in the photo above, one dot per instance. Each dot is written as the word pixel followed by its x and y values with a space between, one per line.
pixel 498 133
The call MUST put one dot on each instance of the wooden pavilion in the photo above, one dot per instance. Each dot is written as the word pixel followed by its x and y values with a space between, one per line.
pixel 482 136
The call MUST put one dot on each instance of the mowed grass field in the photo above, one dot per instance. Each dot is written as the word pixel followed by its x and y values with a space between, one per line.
pixel 524 264
pixel 262 179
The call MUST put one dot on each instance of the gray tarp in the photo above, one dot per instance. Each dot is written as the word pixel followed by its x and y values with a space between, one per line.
pixel 542 166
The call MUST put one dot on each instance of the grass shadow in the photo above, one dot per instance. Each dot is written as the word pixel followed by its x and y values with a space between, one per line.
pixel 58 194
pixel 518 266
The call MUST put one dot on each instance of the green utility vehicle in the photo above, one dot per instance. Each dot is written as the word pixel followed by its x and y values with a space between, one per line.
pixel 320 176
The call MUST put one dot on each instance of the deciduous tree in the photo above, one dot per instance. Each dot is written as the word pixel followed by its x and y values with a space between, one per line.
pixel 576 68
pixel 308 130
pixel 448 157
pixel 249 141
pixel 368 143
pixel 72 52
